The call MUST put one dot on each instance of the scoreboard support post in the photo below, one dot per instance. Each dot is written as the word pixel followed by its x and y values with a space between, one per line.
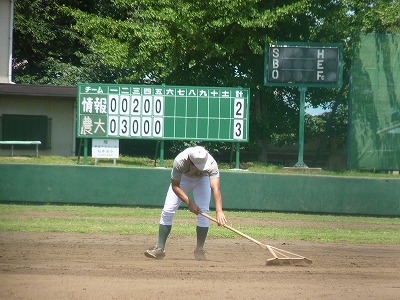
pixel 300 160
pixel 235 148
pixel 162 154
pixel 237 165
pixel 85 151
pixel 156 153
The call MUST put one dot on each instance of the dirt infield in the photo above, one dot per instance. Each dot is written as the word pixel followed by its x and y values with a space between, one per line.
pixel 84 266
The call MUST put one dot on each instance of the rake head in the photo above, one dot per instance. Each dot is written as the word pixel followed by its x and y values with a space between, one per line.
pixel 297 261
pixel 283 257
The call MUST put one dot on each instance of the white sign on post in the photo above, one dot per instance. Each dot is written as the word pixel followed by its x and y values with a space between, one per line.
pixel 105 148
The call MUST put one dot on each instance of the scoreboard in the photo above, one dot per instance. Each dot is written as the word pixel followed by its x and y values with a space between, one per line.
pixel 303 65
pixel 300 64
pixel 124 111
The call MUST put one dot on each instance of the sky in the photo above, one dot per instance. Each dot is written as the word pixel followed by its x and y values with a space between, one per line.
pixel 315 111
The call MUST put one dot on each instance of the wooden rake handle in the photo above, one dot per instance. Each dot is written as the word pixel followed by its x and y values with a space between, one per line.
pixel 279 254
pixel 236 231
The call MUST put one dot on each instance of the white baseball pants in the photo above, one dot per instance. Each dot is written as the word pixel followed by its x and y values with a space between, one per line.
pixel 200 186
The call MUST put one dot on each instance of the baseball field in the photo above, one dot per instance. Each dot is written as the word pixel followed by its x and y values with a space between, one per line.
pixel 78 252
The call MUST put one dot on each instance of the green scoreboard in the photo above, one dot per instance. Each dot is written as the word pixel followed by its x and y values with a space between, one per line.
pixel 162 112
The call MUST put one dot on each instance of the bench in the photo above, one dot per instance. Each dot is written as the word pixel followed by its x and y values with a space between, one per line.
pixel 12 143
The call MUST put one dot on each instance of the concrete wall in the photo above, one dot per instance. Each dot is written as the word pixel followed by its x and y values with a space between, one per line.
pixel 61 110
pixel 240 190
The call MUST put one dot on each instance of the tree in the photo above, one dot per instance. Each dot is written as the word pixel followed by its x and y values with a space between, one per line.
pixel 191 42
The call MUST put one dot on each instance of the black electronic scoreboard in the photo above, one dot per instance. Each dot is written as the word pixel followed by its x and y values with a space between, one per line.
pixel 162 112
pixel 299 64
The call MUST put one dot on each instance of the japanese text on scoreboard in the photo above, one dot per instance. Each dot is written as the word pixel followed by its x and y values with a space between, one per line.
pixel 162 112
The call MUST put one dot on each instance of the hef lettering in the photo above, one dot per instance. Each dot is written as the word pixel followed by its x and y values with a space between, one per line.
pixel 320 64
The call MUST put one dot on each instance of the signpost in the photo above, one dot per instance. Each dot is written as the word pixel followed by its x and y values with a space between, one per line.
pixel 161 112
pixel 303 65
pixel 105 148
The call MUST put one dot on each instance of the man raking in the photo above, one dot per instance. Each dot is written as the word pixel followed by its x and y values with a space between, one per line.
pixel 195 170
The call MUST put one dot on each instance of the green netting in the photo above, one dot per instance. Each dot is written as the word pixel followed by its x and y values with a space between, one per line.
pixel 374 137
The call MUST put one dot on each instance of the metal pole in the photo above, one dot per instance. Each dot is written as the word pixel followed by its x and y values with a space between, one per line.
pixel 300 162
pixel 79 149
pixel 156 154
pixel 85 151
pixel 237 155
pixel 162 154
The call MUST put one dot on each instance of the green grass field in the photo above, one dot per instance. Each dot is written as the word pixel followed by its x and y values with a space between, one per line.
pixel 259 225
pixel 144 221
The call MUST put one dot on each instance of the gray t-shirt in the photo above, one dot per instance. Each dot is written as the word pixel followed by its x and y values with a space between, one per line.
pixel 183 165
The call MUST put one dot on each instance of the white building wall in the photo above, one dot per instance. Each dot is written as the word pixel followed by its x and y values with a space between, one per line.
pixel 61 110
pixel 6 29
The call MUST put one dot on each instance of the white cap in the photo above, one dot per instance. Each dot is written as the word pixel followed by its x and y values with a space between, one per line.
pixel 200 158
